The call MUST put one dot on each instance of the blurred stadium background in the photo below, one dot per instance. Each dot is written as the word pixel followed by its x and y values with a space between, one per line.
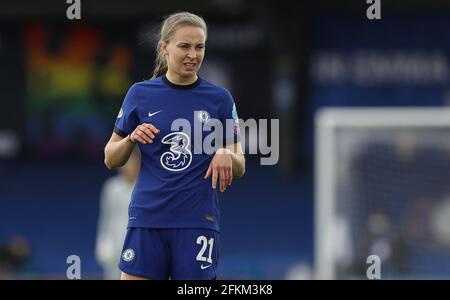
pixel 62 83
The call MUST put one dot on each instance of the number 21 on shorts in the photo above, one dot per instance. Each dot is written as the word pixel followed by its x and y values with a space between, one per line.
pixel 204 242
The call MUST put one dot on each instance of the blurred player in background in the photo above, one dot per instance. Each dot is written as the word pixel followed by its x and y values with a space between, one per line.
pixel 174 213
pixel 112 223
pixel 16 260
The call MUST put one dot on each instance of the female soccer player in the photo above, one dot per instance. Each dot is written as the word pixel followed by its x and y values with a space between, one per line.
pixel 174 213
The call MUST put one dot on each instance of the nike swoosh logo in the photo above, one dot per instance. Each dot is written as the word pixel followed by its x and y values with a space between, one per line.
pixel 150 114
pixel 204 267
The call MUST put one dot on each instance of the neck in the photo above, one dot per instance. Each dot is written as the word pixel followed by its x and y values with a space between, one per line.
pixel 177 79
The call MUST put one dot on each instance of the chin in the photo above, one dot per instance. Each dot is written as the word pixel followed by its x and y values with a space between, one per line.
pixel 188 74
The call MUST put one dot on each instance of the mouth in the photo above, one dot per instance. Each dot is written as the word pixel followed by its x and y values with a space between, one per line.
pixel 190 65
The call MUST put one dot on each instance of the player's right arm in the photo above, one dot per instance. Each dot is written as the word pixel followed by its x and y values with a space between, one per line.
pixel 118 149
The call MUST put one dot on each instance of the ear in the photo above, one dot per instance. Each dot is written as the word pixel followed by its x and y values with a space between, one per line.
pixel 163 48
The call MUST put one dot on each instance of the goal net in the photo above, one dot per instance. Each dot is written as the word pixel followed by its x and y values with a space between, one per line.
pixel 382 187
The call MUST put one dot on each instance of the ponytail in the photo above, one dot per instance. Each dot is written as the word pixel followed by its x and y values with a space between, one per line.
pixel 160 62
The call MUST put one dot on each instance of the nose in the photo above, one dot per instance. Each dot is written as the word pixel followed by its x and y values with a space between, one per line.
pixel 192 53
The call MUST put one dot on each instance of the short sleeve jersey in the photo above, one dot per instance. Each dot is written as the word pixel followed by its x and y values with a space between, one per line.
pixel 171 191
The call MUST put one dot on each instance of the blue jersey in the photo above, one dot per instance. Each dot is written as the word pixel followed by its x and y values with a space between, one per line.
pixel 171 191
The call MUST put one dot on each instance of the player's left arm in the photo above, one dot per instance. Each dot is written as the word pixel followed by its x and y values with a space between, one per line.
pixel 238 159
pixel 227 163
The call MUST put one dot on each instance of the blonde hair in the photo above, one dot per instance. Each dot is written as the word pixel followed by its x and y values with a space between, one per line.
pixel 169 26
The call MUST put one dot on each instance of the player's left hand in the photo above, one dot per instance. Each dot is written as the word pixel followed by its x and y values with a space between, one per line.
pixel 221 167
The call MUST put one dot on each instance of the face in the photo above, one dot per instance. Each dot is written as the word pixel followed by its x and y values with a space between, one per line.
pixel 185 52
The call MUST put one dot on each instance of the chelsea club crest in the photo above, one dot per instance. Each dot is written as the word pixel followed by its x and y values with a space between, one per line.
pixel 203 116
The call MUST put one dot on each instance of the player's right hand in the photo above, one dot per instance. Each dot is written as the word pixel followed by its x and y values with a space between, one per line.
pixel 144 133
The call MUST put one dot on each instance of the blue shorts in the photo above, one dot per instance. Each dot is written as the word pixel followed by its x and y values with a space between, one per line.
pixel 179 254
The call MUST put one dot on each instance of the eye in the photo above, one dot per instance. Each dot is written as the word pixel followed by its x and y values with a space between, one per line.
pixel 184 46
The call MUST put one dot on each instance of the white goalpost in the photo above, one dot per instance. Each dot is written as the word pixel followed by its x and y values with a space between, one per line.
pixel 382 187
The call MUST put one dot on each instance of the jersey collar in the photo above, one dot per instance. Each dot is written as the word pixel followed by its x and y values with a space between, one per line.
pixel 179 86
